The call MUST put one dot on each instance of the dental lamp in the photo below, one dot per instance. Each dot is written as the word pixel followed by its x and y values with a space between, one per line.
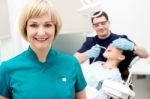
pixel 90 7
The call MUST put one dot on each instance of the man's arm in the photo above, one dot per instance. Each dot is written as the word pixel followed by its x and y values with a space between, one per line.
pixel 91 53
pixel 141 51
pixel 82 57
pixel 125 44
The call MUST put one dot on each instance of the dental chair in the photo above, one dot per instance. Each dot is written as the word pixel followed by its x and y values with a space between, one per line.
pixel 122 90
pixel 115 90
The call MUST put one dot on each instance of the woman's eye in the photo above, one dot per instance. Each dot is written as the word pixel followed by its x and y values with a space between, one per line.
pixel 33 25
pixel 48 25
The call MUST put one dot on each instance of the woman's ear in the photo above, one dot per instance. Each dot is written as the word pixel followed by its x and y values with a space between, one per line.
pixel 121 57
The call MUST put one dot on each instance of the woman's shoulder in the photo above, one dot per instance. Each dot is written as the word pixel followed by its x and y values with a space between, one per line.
pixel 115 73
pixel 14 60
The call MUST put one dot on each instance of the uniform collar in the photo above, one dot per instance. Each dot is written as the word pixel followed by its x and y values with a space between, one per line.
pixel 34 57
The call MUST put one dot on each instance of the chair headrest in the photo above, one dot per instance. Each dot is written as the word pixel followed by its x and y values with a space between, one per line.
pixel 134 60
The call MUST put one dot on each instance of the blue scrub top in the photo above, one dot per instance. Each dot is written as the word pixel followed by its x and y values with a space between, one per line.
pixel 91 41
pixel 25 77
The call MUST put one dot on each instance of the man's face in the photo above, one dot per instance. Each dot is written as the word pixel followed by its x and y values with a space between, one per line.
pixel 101 26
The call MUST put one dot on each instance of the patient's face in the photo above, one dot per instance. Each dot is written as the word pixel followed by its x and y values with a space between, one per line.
pixel 112 52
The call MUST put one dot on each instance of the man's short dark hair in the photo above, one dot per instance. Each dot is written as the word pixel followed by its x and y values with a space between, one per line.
pixel 102 14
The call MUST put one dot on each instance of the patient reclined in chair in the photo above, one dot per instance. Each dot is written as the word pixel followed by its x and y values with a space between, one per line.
pixel 115 68
pixel 121 90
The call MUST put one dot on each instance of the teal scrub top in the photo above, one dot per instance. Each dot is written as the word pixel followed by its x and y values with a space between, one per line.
pixel 25 77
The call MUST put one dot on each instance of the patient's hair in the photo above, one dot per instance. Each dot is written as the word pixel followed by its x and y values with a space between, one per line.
pixel 124 65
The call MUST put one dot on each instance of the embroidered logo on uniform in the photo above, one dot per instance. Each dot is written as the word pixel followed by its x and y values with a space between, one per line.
pixel 64 79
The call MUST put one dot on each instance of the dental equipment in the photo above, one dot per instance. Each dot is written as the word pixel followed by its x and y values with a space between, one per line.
pixel 99 46
pixel 90 7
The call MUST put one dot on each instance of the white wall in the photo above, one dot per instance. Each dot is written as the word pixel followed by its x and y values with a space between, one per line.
pixel 4 20
pixel 13 45
pixel 72 21
pixel 129 17
pixel 140 21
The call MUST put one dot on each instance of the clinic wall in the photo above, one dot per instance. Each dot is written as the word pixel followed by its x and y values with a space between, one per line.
pixel 73 22
pixel 129 17
pixel 4 20
pixel 12 45
pixel 140 22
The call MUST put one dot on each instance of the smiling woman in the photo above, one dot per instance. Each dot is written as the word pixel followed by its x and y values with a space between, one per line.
pixel 39 24
pixel 4 20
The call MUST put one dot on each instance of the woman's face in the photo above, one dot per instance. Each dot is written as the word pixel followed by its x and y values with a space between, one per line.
pixel 112 52
pixel 40 32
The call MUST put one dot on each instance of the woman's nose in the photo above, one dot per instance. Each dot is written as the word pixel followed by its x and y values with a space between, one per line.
pixel 41 31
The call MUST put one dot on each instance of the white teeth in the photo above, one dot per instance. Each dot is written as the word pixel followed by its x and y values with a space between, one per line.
pixel 41 39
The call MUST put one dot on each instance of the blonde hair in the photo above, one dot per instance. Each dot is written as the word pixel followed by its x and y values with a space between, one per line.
pixel 36 8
